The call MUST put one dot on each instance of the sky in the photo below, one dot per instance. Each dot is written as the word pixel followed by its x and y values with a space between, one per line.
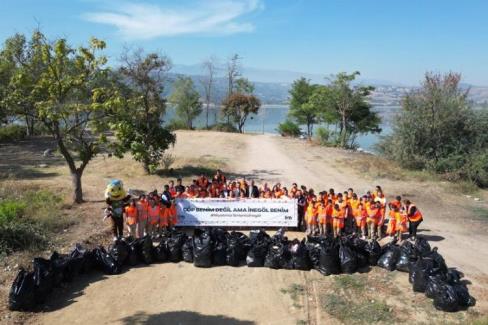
pixel 394 40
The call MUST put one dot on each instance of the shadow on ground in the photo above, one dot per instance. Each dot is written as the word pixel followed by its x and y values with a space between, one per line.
pixel 182 318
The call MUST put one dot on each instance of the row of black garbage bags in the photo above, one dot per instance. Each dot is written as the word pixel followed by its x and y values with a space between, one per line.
pixel 427 269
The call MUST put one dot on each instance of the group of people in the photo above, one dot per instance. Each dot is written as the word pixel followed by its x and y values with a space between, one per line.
pixel 331 213
pixel 325 213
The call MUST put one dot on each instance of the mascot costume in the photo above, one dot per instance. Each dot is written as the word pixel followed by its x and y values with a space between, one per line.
pixel 116 198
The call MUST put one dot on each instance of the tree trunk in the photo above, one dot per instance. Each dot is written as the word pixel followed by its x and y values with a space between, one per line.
pixel 145 165
pixel 207 113
pixel 344 131
pixel 78 191
pixel 29 122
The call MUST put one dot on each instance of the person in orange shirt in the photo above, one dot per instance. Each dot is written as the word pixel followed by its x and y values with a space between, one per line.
pixel 338 220
pixel 401 224
pixel 322 218
pixel 374 213
pixel 202 181
pixel 414 216
pixel 360 216
pixel 311 216
pixel 142 205
pixel 329 209
pixel 154 215
pixel 130 213
pixel 380 198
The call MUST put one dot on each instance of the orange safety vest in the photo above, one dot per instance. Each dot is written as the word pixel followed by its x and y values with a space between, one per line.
pixel 131 215
pixel 154 213
pixel 417 216
pixel 142 210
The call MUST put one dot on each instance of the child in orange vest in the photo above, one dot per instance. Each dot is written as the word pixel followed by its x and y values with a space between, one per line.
pixel 322 216
pixel 338 220
pixel 311 216
pixel 360 217
pixel 142 205
pixel 154 217
pixel 130 213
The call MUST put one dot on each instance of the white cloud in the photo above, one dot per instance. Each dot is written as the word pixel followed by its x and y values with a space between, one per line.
pixel 146 21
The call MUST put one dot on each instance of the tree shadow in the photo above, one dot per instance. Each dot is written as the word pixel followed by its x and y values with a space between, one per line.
pixel 182 318
pixel 186 171
pixel 21 172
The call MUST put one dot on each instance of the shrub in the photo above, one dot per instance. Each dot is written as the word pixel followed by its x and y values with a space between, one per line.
pixel 322 136
pixel 10 210
pixel 12 132
pixel 224 127
pixel 289 129
pixel 176 124
pixel 167 160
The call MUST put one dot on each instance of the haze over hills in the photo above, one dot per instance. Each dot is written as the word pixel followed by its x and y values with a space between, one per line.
pixel 272 86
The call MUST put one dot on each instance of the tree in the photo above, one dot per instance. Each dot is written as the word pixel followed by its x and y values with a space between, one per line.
pixel 238 106
pixel 72 100
pixel 244 86
pixel 300 108
pixel 139 120
pixel 346 106
pixel 438 130
pixel 187 100
pixel 21 62
pixel 210 68
pixel 233 72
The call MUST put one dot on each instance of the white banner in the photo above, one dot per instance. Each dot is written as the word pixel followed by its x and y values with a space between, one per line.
pixel 237 212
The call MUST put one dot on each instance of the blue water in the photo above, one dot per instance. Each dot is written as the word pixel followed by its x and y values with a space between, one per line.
pixel 269 116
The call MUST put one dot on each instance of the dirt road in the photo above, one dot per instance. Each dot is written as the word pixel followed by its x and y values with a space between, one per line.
pixel 182 294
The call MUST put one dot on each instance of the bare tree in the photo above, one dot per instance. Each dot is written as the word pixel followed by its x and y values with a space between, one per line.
pixel 233 72
pixel 209 66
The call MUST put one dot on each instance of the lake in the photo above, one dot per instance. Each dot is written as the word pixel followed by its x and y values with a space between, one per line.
pixel 269 116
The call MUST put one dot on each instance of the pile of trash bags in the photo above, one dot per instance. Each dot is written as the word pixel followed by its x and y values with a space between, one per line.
pixel 216 247
pixel 428 273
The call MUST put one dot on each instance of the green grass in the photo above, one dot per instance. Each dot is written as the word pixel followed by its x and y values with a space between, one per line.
pixel 358 310
pixel 295 291
pixel 28 218
pixel 355 282
pixel 481 212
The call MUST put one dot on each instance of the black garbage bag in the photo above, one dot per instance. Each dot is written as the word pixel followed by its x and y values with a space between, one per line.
pixel 22 293
pixel 446 299
pixel 144 248
pixel 453 276
pixel 275 257
pixel 238 246
pixel 160 252
pixel 329 262
pixel 373 249
pixel 257 253
pixel 219 253
pixel 260 242
pixel 435 283
pixel 463 297
pixel 408 255
pixel 202 250
pixel 187 250
pixel 390 257
pixel 81 260
pixel 439 262
pixel 43 279
pixel 105 262
pixel 119 251
pixel 133 257
pixel 174 244
pixel 422 247
pixel 299 255
pixel 313 247
pixel 348 258
pixel 218 235
pixel 358 246
pixel 61 268
pixel 419 274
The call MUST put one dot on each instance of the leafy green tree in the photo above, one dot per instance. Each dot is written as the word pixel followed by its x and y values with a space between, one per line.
pixel 138 120
pixel 438 130
pixel 238 106
pixel 345 106
pixel 72 101
pixel 25 60
pixel 244 86
pixel 300 108
pixel 187 100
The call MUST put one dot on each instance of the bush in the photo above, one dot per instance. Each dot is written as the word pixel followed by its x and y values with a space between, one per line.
pixel 224 127
pixel 289 129
pixel 322 136
pixel 176 124
pixel 12 132
pixel 167 160
pixel 28 219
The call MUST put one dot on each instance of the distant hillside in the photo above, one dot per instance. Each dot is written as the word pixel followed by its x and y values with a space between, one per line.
pixel 272 86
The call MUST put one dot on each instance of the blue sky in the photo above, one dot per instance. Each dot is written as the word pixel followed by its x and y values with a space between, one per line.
pixel 395 40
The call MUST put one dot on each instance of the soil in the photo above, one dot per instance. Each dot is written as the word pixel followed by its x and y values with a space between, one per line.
pixel 182 294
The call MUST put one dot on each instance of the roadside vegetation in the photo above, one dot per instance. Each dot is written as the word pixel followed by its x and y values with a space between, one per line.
pixel 439 131
pixel 28 218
